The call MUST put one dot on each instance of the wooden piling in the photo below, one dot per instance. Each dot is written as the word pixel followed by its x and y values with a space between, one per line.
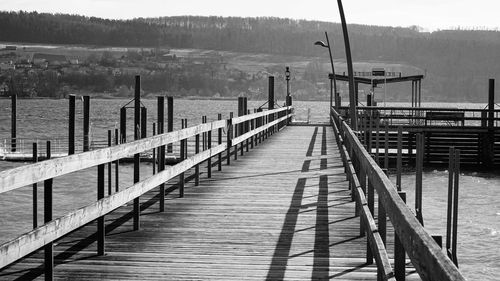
pixel 137 136
pixel 418 177
pixel 71 125
pixel 86 123
pixel 399 252
pixel 13 126
pixel 399 159
pixel 170 120
pixel 144 123
pixel 123 125
pixel 47 217
pixel 35 189
pixel 219 141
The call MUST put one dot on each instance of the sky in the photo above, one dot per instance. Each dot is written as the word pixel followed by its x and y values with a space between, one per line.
pixel 429 14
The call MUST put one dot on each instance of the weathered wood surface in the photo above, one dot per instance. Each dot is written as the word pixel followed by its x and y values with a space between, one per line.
pixel 282 211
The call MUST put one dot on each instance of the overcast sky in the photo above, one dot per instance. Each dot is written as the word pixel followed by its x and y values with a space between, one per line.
pixel 430 14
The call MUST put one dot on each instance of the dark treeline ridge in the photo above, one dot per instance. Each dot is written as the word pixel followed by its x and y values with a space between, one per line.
pixel 458 62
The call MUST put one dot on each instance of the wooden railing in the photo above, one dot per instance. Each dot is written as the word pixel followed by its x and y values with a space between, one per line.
pixel 418 116
pixel 254 128
pixel 366 177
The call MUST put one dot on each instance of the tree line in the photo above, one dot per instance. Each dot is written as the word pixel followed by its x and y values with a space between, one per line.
pixel 458 62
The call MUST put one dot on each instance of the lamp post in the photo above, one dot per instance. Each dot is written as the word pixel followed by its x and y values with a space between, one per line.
pixel 287 77
pixel 332 78
pixel 350 71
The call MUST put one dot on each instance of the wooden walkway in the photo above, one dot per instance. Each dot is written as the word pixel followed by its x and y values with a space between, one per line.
pixel 282 211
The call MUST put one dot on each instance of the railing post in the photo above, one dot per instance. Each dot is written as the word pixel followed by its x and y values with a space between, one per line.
pixel 109 164
pixel 386 147
pixel 144 123
pixel 117 163
pixel 219 141
pixel 418 178
pixel 154 151
pixel 123 125
pixel 399 252
pixel 371 206
pixel 229 137
pixel 382 217
pixel 399 160
pixel 71 125
pixel 35 189
pixel 47 217
pixel 100 220
pixel 241 126
pixel 182 157
pixel 86 123
pixel 209 147
pixel 170 120
pixel 161 155
pixel 137 136
pixel 197 166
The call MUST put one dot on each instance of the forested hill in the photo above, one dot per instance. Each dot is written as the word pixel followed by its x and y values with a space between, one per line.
pixel 458 60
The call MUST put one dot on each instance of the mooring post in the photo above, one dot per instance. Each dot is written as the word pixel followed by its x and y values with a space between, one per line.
pixel 123 125
pixel 229 137
pixel 170 120
pixel 386 147
pixel 219 141
pixel 100 220
pixel 418 178
pixel 144 123
pixel 137 136
pixel 71 125
pixel 47 217
pixel 35 189
pixel 270 101
pixel 13 127
pixel 399 159
pixel 182 157
pixel 399 252
pixel 86 123
pixel 117 163
pixel 109 164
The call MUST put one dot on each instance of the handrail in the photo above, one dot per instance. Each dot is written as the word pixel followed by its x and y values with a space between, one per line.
pixel 57 228
pixel 426 256
pixel 375 240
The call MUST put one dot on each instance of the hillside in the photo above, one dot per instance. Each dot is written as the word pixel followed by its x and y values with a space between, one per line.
pixel 458 62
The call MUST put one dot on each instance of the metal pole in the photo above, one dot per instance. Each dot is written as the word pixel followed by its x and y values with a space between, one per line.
pixel 350 71
pixel 333 70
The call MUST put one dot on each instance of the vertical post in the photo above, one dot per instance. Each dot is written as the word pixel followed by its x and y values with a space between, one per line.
pixel 229 137
pixel 182 157
pixel 247 123
pixel 100 220
pixel 13 127
pixel 399 160
pixel 399 252
pixel 270 100
pixel 47 217
pixel 123 125
pixel 170 119
pixel 386 147
pixel 451 169
pixel 371 206
pixel 144 124
pixel 154 150
pixel 418 179
pixel 35 189
pixel 197 166
pixel 109 164
pixel 137 136
pixel 382 217
pixel 491 103
pixel 86 123
pixel 377 139
pixel 209 147
pixel 117 163
pixel 219 141
pixel 456 174
pixel 71 125
pixel 241 112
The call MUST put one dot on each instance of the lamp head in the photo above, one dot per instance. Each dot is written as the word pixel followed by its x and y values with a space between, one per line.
pixel 287 72
pixel 321 43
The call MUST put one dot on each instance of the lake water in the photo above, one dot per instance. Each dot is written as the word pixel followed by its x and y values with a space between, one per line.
pixel 479 203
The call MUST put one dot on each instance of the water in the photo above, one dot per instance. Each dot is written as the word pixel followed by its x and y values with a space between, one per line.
pixel 479 204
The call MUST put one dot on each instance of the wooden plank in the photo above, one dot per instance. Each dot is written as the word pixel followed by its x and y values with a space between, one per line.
pixel 244 118
pixel 254 132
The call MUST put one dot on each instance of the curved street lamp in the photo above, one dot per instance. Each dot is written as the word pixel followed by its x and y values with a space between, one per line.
pixel 350 71
pixel 332 78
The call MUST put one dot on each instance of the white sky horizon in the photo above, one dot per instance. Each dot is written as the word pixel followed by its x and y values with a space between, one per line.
pixel 431 15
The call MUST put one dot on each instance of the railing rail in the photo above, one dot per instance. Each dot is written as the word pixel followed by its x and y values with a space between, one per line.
pixel 49 169
pixel 426 256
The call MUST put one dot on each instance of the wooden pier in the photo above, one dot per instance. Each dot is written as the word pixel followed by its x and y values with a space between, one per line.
pixel 291 205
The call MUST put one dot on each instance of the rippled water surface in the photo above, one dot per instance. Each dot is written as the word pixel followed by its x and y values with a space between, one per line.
pixel 479 204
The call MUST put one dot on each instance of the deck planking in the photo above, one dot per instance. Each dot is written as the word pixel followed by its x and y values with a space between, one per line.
pixel 280 212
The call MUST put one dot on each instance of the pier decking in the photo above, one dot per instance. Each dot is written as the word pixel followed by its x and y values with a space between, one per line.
pixel 282 211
